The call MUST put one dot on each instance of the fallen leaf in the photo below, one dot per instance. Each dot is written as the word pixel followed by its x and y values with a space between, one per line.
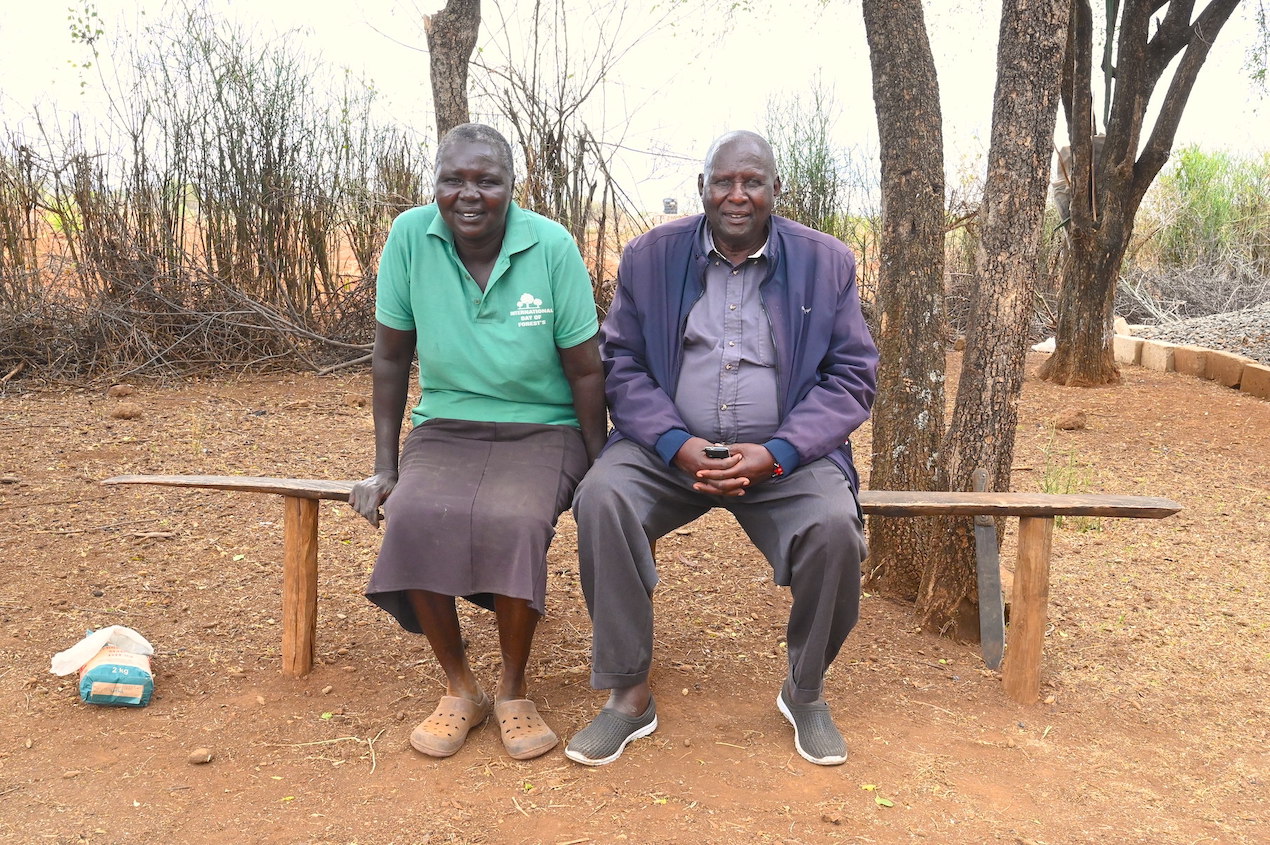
pixel 883 802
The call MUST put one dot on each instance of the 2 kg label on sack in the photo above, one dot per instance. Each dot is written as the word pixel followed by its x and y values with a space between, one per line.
pixel 113 665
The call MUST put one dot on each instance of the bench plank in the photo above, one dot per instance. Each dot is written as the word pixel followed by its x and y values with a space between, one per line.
pixel 879 502
pixel 919 503
pixel 300 488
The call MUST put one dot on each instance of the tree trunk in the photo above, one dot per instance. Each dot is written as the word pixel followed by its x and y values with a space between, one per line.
pixel 451 35
pixel 1106 193
pixel 908 415
pixel 1086 358
pixel 1030 53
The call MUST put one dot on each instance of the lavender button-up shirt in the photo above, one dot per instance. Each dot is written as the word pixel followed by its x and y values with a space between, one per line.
pixel 727 385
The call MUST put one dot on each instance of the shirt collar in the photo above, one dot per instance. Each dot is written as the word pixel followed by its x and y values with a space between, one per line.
pixel 761 252
pixel 518 235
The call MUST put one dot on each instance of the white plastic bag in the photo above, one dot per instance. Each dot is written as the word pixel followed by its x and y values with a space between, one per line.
pixel 125 639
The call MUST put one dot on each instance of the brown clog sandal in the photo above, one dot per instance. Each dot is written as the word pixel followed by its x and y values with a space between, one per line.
pixel 525 734
pixel 444 732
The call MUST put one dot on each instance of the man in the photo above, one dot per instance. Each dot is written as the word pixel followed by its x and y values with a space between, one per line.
pixel 739 328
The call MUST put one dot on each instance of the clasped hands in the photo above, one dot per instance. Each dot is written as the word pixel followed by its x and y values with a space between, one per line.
pixel 369 493
pixel 749 464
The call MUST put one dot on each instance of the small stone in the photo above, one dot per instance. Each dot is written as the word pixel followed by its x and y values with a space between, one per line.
pixel 199 756
pixel 328 689
pixel 260 699
pixel 1050 699
pixel 29 743
pixel 126 411
pixel 98 593
pixel 119 391
pixel 831 818
pixel 687 743
pixel 1069 420
pixel 685 690
pixel 959 344
pixel 1010 743
pixel 236 671
pixel 355 401
pixel 73 773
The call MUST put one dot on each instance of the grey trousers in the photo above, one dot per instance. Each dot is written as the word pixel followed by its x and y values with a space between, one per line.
pixel 806 524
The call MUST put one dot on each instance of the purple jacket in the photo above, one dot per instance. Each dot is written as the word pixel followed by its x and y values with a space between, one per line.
pixel 826 361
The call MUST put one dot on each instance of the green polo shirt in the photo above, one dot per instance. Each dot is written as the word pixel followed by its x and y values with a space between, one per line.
pixel 490 355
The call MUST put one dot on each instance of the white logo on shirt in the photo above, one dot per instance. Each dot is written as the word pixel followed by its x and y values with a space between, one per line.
pixel 530 312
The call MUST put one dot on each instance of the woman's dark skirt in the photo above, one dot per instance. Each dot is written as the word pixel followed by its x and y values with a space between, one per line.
pixel 473 513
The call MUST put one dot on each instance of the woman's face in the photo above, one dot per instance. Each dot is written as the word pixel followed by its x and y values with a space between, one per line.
pixel 473 191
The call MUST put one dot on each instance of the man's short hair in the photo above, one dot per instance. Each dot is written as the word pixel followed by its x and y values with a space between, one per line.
pixel 478 133
pixel 736 135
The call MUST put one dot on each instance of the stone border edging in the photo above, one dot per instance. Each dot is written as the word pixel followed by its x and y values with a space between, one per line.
pixel 1232 370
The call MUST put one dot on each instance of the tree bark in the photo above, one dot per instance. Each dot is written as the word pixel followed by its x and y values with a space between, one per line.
pixel 1104 207
pixel 1030 52
pixel 908 414
pixel 451 35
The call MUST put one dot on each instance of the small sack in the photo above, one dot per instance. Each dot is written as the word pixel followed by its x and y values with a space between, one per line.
pixel 113 665
pixel 116 676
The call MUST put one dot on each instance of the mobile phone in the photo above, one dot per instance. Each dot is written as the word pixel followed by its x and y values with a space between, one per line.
pixel 717 451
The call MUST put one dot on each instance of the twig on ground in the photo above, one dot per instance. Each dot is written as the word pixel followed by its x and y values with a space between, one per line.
pixel 362 360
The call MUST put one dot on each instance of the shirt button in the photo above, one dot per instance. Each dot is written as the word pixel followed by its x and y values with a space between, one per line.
pixel 731 343
pixel 731 307
pixel 735 271
pixel 476 302
pixel 723 407
pixel 727 366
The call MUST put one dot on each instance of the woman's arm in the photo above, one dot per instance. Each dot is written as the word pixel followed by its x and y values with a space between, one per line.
pixel 390 377
pixel 585 373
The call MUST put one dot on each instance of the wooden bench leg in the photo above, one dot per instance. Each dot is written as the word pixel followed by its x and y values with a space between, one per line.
pixel 1028 614
pixel 299 585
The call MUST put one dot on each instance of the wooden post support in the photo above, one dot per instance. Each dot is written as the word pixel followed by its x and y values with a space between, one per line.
pixel 1022 672
pixel 299 585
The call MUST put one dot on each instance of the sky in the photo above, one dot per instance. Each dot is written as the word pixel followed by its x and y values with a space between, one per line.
pixel 670 94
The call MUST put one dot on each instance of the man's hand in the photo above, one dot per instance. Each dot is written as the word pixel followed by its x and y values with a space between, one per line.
pixel 369 493
pixel 749 464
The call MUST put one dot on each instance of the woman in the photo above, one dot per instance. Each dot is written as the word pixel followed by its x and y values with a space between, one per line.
pixel 497 303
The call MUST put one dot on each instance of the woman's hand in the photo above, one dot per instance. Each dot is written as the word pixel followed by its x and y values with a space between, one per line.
pixel 369 493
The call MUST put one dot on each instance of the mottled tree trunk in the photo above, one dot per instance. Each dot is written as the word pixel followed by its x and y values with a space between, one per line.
pixel 1030 53
pixel 1106 193
pixel 908 415
pixel 1086 300
pixel 451 35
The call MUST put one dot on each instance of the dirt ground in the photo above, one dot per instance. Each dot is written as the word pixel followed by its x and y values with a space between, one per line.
pixel 1153 727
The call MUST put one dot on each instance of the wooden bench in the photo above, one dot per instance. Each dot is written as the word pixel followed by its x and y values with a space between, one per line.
pixel 1021 672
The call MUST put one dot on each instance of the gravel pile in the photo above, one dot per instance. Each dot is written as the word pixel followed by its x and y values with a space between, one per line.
pixel 1246 332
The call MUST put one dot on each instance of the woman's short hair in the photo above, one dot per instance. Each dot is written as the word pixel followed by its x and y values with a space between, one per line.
pixel 478 133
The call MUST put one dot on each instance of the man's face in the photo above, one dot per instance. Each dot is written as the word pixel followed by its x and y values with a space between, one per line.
pixel 473 191
pixel 737 193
